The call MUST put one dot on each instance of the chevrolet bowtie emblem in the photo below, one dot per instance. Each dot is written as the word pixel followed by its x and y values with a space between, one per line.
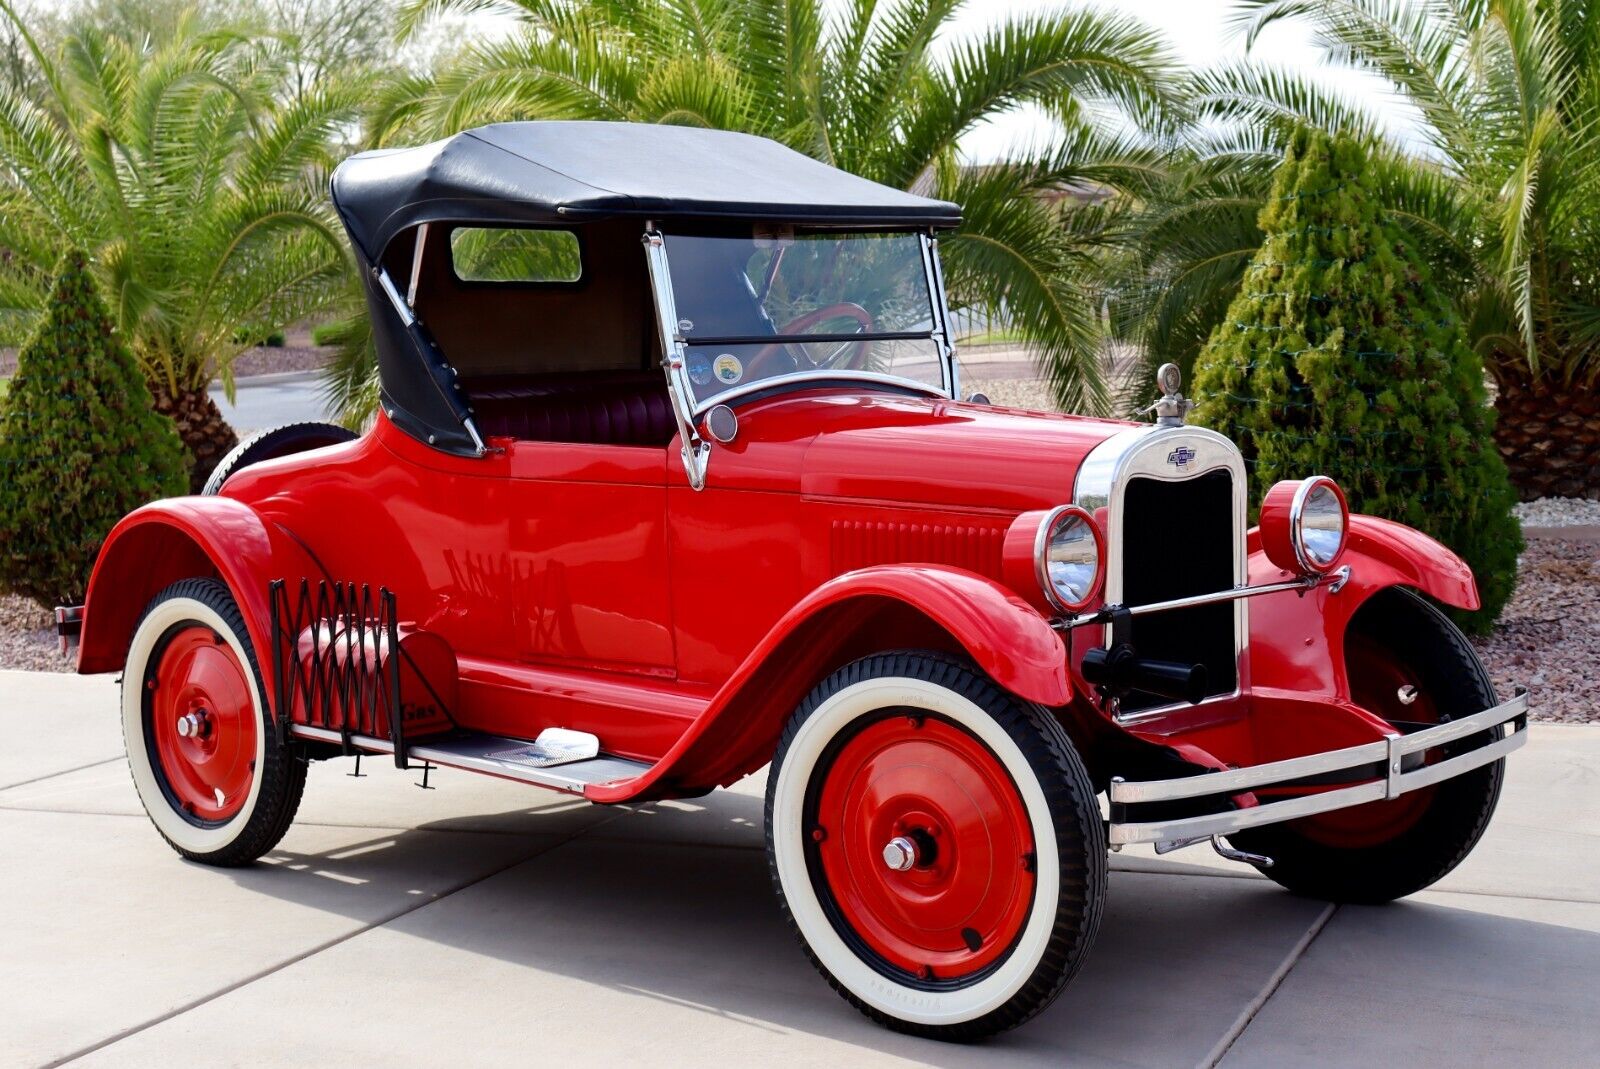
pixel 1181 456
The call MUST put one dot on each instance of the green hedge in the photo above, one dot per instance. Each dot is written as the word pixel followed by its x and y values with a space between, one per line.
pixel 1339 357
pixel 80 445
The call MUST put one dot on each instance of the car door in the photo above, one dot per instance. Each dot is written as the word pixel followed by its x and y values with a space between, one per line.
pixel 587 549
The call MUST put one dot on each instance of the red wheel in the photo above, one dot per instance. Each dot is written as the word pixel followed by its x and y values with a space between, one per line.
pixel 1378 678
pixel 202 722
pixel 936 844
pixel 926 847
pixel 201 746
pixel 1398 647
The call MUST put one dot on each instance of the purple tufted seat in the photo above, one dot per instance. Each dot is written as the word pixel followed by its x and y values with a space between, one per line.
pixel 603 408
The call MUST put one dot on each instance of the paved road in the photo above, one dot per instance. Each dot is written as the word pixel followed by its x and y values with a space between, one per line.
pixel 272 400
pixel 485 923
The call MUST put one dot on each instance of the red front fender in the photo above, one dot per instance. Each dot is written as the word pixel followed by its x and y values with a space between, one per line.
pixel 736 733
pixel 181 538
pixel 1297 641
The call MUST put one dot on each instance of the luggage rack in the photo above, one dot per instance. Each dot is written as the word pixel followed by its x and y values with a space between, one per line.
pixel 347 685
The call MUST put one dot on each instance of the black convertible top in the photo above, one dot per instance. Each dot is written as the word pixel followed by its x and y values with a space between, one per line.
pixel 544 172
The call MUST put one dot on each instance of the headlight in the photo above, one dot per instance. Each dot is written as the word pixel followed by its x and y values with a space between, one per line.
pixel 1303 524
pixel 1067 557
pixel 1055 558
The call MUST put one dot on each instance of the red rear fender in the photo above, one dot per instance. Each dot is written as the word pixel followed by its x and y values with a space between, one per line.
pixel 181 538
pixel 851 616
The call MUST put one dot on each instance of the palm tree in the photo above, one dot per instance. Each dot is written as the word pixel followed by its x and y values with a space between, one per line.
pixel 1499 180
pixel 871 89
pixel 200 195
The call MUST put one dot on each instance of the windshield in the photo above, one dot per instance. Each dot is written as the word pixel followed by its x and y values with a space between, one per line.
pixel 752 309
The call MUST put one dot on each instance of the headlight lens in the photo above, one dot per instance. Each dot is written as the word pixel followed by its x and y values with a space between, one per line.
pixel 1318 520
pixel 1069 553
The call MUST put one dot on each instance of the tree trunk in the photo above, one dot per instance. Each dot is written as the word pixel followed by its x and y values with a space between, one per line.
pixel 206 435
pixel 1549 435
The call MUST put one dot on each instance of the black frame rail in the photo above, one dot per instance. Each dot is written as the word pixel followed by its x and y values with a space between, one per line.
pixel 346 684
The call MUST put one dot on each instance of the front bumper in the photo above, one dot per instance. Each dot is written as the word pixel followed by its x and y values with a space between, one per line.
pixel 1384 760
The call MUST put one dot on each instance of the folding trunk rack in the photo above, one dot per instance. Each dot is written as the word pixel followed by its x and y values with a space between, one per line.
pixel 349 679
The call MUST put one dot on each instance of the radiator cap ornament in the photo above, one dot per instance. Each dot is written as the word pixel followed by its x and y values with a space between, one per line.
pixel 1171 407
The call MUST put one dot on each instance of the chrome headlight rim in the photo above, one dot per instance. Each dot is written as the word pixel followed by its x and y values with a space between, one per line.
pixel 1041 557
pixel 1308 559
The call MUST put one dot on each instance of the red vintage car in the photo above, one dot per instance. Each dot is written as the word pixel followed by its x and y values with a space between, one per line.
pixel 673 480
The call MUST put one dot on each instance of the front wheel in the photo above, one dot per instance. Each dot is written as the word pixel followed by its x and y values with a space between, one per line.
pixel 1410 665
pixel 201 743
pixel 936 844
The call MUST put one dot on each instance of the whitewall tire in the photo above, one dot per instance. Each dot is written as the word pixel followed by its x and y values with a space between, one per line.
pixel 937 845
pixel 202 749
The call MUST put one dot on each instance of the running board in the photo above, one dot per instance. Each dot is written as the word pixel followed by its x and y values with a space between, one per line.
pixel 494 755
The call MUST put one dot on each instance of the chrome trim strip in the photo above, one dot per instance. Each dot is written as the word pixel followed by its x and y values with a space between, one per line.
pixel 761 385
pixel 557 777
pixel 1144 452
pixel 696 450
pixel 1394 783
pixel 941 312
pixel 1303 584
pixel 386 284
pixel 416 264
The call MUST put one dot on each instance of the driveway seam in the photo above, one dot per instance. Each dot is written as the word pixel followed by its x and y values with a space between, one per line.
pixel 63 772
pixel 305 955
pixel 1275 981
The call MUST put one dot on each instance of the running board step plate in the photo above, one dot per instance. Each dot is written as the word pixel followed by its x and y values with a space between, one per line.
pixel 495 755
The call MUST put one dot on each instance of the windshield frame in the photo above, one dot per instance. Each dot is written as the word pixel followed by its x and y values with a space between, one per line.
pixel 675 346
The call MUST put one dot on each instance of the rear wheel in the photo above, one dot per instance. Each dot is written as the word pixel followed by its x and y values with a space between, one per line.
pixel 1410 665
pixel 201 744
pixel 937 845
pixel 277 442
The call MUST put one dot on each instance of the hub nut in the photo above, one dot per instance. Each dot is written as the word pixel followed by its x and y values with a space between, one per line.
pixel 194 725
pixel 900 854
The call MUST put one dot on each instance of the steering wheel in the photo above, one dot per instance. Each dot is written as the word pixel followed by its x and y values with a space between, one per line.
pixel 834 361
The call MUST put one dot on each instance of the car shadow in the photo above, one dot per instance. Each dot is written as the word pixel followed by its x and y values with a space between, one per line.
pixel 672 902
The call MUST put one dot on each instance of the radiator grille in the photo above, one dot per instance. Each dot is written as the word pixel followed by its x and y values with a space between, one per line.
pixel 1177 541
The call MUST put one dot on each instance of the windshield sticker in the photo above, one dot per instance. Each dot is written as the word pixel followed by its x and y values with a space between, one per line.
pixel 699 369
pixel 728 369
pixel 685 326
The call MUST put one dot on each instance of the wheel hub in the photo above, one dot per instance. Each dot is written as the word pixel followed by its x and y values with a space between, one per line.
pixel 202 724
pixel 194 725
pixel 900 854
pixel 926 847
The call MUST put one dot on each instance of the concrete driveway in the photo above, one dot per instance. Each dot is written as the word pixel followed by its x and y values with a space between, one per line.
pixel 484 923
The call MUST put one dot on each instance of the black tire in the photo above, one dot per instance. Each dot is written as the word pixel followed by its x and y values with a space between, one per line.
pixel 278 774
pixel 1446 667
pixel 277 442
pixel 1049 946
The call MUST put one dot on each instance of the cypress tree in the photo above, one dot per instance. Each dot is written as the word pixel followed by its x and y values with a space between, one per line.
pixel 1339 357
pixel 80 444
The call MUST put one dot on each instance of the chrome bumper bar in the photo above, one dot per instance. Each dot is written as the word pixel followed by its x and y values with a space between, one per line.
pixel 1388 754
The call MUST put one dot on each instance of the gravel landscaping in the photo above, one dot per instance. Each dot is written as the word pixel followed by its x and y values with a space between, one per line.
pixel 1548 638
pixel 28 637
pixel 295 354
pixel 1559 512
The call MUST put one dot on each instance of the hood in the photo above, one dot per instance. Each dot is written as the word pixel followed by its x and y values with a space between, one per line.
pixel 938 452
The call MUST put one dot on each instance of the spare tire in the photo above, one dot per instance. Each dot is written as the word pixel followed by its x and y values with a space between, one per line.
pixel 277 442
